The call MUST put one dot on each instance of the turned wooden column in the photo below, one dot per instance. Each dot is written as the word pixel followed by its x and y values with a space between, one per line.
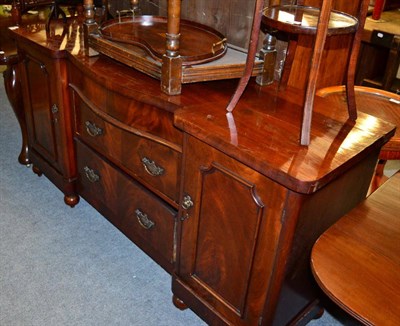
pixel 171 72
pixel 15 13
pixel 89 26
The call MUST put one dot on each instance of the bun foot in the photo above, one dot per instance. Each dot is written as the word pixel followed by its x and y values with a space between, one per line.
pixel 319 313
pixel 23 157
pixel 71 200
pixel 178 303
pixel 37 171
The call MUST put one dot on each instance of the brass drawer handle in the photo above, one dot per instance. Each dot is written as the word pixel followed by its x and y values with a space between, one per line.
pixel 143 219
pixel 92 129
pixel 91 175
pixel 151 167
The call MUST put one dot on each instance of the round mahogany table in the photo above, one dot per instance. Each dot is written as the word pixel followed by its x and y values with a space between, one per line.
pixel 378 103
pixel 356 262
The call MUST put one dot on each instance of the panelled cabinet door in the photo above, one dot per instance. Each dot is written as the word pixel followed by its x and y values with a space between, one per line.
pixel 42 109
pixel 229 231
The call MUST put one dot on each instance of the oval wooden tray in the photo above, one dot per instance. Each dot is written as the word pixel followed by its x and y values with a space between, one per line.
pixel 303 20
pixel 198 43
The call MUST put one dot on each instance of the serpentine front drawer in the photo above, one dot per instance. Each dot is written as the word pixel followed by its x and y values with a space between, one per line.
pixel 151 160
pixel 141 216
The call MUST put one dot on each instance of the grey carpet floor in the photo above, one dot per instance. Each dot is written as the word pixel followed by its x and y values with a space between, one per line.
pixel 70 266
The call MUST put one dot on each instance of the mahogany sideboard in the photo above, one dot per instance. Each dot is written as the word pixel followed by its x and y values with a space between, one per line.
pixel 230 205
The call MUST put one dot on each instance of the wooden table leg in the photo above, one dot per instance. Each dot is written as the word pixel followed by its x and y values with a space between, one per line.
pixel 14 94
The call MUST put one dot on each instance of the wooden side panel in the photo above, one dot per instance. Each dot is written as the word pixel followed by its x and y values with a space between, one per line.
pixel 47 114
pixel 318 212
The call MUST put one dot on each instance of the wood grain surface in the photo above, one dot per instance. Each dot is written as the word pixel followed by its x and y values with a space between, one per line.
pixel 357 261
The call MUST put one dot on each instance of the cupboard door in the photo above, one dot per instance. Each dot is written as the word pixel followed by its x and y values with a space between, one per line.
pixel 228 236
pixel 42 108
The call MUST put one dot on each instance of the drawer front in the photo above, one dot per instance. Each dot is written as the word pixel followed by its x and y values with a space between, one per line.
pixel 155 115
pixel 147 158
pixel 141 216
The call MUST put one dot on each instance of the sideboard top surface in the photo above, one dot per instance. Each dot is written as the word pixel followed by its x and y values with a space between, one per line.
pixel 263 132
pixel 57 40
